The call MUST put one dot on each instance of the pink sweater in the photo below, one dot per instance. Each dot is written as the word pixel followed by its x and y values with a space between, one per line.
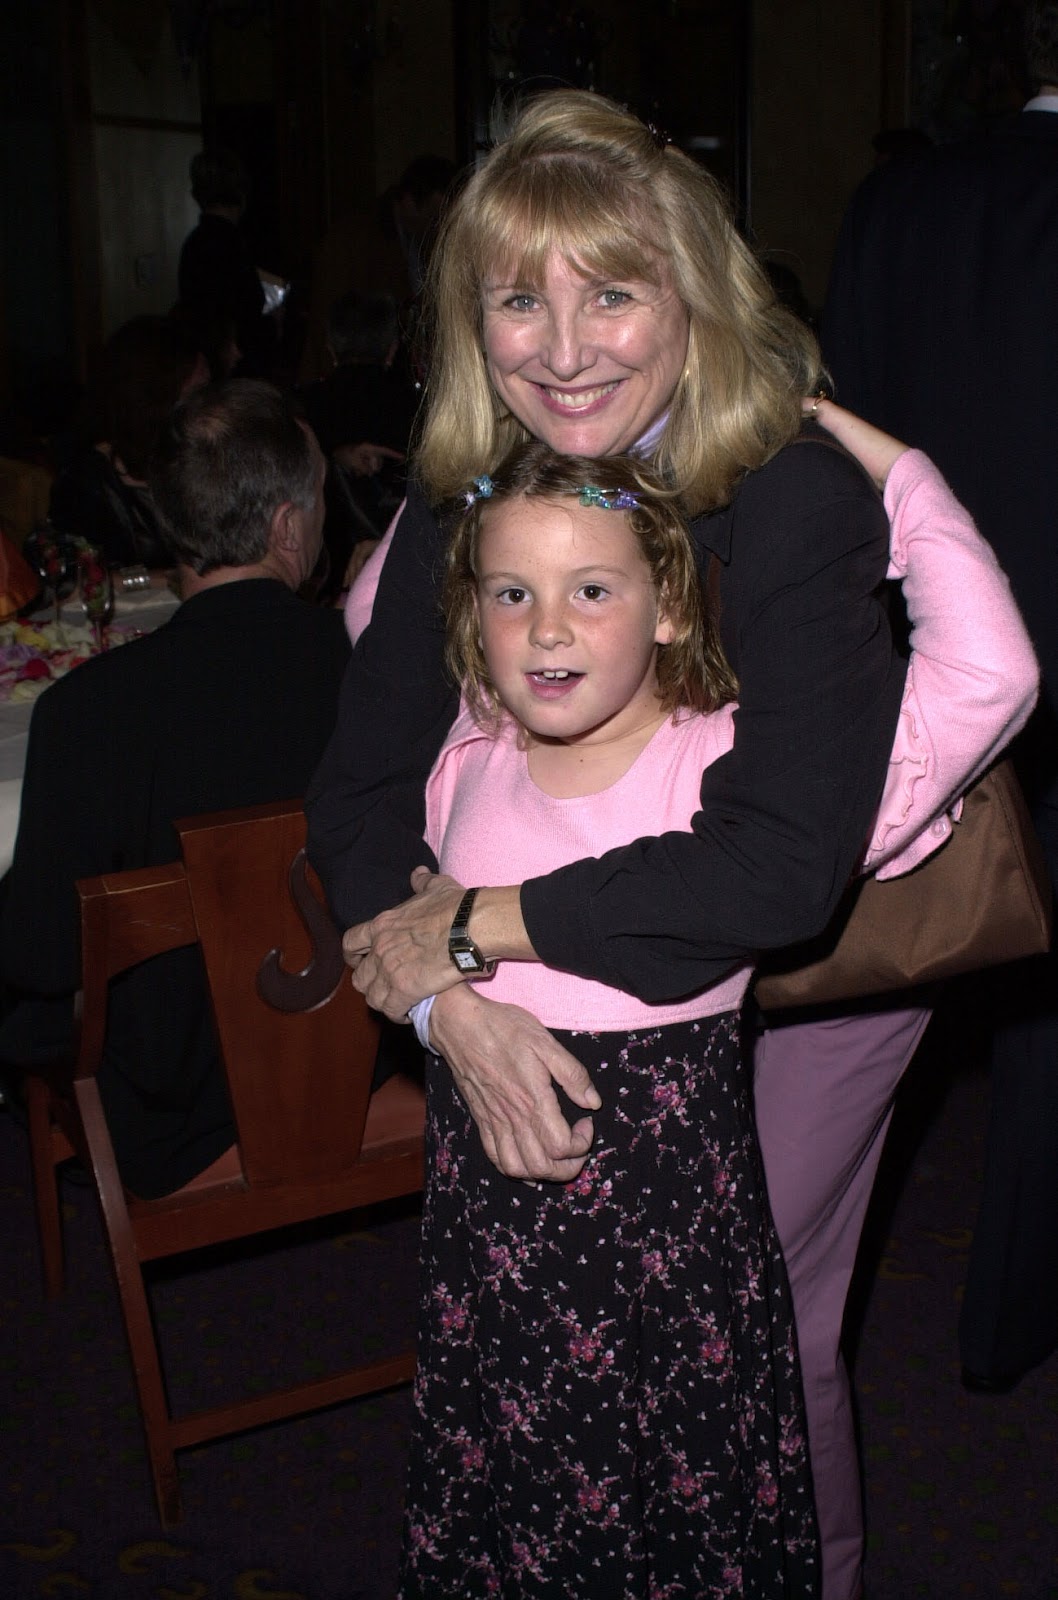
pixel 971 685
pixel 487 822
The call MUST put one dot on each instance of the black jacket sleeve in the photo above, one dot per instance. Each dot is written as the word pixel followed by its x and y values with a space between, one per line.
pixel 366 803
pixel 785 812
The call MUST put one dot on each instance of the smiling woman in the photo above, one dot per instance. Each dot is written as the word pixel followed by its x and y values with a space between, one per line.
pixel 590 291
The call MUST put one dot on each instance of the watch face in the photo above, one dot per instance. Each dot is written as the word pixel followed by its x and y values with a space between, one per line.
pixel 465 960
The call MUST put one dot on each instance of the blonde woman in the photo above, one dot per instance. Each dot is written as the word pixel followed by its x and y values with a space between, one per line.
pixel 590 290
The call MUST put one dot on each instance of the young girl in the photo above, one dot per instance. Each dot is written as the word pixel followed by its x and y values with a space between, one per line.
pixel 608 1401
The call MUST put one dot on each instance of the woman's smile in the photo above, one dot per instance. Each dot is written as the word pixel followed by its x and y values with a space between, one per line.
pixel 579 400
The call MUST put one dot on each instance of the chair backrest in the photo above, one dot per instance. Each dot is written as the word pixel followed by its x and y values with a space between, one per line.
pixel 126 918
pixel 244 870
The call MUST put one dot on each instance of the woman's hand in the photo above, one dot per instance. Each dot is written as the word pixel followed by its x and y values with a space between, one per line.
pixel 401 956
pixel 505 1063
pixel 874 450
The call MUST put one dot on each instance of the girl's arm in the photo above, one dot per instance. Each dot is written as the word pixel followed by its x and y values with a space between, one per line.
pixel 360 601
pixel 973 677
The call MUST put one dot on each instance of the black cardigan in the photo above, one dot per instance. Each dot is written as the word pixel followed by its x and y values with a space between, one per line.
pixel 785 813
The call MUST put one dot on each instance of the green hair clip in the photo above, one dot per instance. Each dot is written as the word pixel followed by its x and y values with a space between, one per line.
pixel 607 500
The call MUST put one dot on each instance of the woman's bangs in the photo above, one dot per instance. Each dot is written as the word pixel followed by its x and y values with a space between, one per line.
pixel 530 220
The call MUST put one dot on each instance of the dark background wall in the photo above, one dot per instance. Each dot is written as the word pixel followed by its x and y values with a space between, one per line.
pixel 327 100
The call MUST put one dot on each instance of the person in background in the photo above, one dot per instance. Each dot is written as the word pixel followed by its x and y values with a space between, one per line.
pixel 941 325
pixel 368 399
pixel 362 414
pixel 229 704
pixel 217 278
pixel 145 368
pixel 213 334
pixel 381 251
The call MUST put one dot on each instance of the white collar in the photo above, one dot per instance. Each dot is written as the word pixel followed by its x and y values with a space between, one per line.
pixel 1043 102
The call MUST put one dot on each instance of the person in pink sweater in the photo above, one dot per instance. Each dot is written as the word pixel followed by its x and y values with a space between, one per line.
pixel 970 687
pixel 530 778
pixel 608 1400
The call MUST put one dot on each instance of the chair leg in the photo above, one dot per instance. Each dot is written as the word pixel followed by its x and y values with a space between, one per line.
pixel 135 1308
pixel 45 1187
pixel 146 1368
pixel 166 1486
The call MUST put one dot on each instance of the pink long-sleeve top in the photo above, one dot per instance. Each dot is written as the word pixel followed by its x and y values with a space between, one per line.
pixel 972 679
pixel 971 685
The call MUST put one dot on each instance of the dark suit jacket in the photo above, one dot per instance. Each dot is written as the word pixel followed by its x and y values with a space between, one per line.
pixel 941 325
pixel 229 704
pixel 218 281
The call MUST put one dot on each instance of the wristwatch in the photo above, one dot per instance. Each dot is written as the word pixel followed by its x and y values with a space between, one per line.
pixel 461 947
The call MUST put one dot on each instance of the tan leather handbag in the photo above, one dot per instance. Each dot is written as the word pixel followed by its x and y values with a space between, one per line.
pixel 982 899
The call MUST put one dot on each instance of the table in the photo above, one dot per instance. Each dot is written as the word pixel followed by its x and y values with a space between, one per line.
pixel 144 612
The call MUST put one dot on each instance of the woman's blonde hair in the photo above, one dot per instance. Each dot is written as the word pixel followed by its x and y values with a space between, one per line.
pixel 692 670
pixel 580 175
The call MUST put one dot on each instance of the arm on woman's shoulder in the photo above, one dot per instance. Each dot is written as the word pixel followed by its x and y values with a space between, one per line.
pixel 365 805
pixel 783 814
pixel 360 601
pixel 972 679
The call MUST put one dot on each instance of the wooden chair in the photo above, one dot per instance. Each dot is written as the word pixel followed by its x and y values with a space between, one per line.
pixel 312 1138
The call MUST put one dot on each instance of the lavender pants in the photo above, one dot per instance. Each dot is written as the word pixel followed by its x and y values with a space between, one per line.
pixel 824 1094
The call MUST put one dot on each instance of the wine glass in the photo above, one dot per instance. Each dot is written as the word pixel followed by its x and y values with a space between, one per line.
pixel 95 588
pixel 50 561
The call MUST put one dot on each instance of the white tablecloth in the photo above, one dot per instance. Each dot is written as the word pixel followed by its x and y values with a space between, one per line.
pixel 146 610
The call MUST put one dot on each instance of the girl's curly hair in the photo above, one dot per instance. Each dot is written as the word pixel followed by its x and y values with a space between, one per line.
pixel 692 671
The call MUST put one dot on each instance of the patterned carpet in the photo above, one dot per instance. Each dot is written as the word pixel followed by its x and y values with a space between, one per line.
pixel 962 1491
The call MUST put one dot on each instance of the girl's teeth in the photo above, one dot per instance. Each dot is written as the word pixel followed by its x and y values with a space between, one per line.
pixel 555 673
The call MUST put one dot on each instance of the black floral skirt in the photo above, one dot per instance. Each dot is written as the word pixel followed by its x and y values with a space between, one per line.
pixel 608 1402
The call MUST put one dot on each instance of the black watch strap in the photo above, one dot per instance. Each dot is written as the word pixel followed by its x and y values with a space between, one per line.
pixel 462 950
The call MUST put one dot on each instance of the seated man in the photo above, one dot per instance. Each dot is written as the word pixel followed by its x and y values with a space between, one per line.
pixel 229 704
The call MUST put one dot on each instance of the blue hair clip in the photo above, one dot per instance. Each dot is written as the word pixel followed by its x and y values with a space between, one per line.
pixel 481 489
pixel 623 500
